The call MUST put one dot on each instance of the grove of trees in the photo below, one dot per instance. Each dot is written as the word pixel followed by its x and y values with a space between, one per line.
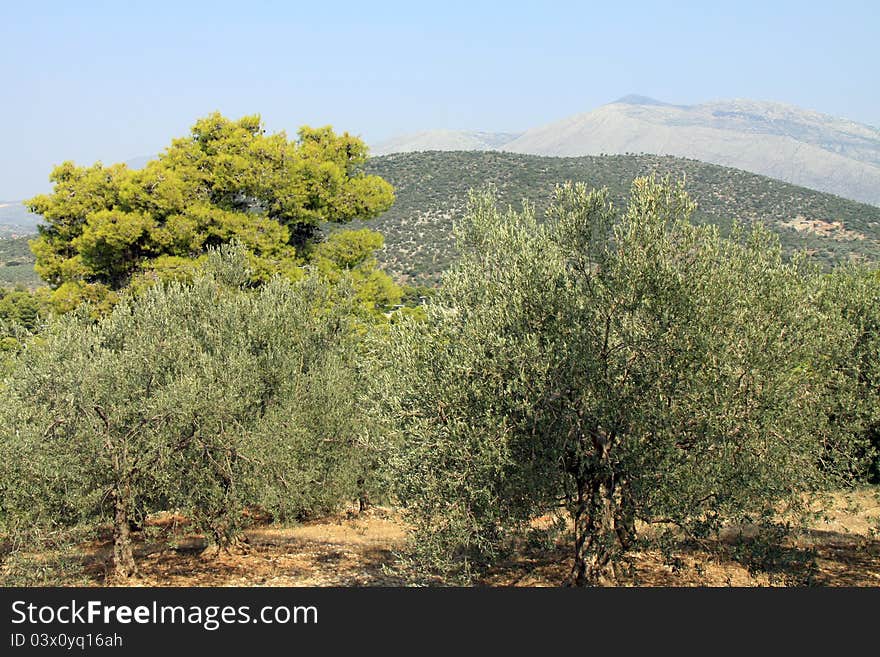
pixel 204 398
pixel 220 351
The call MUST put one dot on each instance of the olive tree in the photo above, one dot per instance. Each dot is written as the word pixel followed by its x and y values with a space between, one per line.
pixel 851 294
pixel 625 366
pixel 204 398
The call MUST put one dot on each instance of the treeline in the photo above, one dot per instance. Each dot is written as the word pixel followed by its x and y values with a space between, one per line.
pixel 639 377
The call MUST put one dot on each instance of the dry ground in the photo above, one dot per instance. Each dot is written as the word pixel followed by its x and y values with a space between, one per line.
pixel 360 550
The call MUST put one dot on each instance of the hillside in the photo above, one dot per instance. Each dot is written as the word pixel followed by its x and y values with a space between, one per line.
pixel 17 263
pixel 444 140
pixel 16 220
pixel 781 141
pixel 432 188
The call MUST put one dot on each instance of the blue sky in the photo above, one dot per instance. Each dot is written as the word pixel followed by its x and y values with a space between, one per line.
pixel 107 81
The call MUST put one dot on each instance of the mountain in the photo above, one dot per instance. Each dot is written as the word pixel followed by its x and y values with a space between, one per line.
pixel 780 141
pixel 432 188
pixel 16 220
pixel 444 140
pixel 139 162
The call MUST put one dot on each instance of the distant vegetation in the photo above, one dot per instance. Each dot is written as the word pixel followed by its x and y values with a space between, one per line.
pixel 432 188
pixel 17 226
pixel 17 263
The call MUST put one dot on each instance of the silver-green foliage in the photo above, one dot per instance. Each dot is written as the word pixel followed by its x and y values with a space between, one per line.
pixel 625 366
pixel 205 398
pixel 852 295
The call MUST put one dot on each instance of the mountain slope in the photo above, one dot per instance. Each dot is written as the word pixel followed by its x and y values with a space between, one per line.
pixel 799 146
pixel 444 140
pixel 432 189
pixel 17 263
pixel 16 220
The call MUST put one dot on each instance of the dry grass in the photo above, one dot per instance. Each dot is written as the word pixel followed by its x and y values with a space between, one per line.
pixel 360 550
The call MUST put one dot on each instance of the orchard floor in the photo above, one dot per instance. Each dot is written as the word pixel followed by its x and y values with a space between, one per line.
pixel 360 550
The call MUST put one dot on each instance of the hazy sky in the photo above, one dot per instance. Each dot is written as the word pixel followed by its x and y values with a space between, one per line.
pixel 89 81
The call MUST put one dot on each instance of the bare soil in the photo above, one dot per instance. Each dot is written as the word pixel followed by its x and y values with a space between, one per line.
pixel 361 549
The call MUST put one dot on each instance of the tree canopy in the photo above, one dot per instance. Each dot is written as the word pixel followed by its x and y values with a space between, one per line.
pixel 108 227
pixel 625 366
pixel 203 397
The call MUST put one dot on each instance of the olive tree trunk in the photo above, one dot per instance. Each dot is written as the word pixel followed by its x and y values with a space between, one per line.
pixel 604 522
pixel 123 557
